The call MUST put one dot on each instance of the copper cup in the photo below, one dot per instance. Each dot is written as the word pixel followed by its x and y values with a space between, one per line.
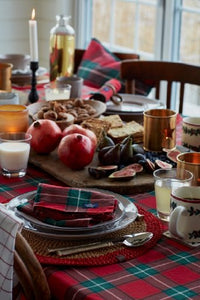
pixel 159 129
pixel 5 76
pixel 190 161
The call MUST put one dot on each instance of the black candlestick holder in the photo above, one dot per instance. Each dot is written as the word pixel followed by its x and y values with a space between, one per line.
pixel 33 96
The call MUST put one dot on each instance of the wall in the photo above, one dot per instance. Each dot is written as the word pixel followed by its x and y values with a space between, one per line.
pixel 14 30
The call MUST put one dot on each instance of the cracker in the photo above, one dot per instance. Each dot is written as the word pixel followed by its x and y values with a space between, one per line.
pixel 133 129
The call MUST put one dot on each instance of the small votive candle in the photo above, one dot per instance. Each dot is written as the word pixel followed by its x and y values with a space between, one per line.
pixel 54 92
pixel 13 118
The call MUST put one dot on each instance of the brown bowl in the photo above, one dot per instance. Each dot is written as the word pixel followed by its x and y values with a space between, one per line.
pixel 34 109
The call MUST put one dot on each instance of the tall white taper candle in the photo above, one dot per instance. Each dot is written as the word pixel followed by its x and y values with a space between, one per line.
pixel 33 37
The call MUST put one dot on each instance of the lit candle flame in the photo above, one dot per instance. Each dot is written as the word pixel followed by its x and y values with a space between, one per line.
pixel 33 14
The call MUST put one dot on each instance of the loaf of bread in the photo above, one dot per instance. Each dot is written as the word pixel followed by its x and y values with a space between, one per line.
pixel 133 129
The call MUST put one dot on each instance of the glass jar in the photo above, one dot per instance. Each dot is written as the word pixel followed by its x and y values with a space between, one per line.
pixel 62 47
pixel 13 118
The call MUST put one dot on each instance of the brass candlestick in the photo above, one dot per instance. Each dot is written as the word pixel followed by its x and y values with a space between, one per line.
pixel 33 96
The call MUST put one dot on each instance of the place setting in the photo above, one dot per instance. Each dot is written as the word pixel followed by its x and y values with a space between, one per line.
pixel 100 231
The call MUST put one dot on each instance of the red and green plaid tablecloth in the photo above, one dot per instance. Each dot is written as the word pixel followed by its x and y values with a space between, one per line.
pixel 169 270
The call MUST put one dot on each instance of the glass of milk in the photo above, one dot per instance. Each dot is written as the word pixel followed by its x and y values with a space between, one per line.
pixel 14 153
pixel 166 181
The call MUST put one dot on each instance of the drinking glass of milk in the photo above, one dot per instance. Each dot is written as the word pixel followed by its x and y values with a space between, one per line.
pixel 166 181
pixel 14 153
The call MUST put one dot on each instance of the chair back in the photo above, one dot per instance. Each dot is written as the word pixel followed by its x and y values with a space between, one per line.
pixel 157 71
pixel 29 271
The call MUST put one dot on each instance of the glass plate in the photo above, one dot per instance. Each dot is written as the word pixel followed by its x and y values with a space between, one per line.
pixel 126 212
pixel 133 104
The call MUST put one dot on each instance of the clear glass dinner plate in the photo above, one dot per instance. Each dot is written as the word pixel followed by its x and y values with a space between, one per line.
pixel 126 212
pixel 133 104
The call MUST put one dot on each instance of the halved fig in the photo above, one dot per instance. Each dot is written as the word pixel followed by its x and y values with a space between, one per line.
pixel 136 167
pixel 172 155
pixel 162 164
pixel 123 174
pixel 149 166
pixel 102 171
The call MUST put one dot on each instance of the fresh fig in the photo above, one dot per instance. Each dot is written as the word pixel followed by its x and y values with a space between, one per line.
pixel 149 166
pixel 137 149
pixel 162 164
pixel 112 156
pixel 172 155
pixel 124 141
pixel 136 167
pixel 126 152
pixel 106 141
pixel 123 174
pixel 137 157
pixel 103 151
pixel 102 171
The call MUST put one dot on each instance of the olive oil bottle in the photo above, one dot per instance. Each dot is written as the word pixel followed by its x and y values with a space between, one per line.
pixel 62 46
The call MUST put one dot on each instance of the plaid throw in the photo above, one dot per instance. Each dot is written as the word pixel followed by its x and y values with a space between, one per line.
pixel 64 206
pixel 99 65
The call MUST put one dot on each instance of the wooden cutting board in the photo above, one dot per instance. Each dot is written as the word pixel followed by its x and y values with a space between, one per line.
pixel 51 164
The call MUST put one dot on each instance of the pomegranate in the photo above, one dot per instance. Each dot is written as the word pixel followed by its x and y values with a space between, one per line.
pixel 46 135
pixel 75 128
pixel 76 151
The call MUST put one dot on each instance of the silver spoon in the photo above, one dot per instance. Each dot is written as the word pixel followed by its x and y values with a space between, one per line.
pixel 129 240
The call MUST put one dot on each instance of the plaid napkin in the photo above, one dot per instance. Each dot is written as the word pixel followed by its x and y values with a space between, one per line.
pixel 64 206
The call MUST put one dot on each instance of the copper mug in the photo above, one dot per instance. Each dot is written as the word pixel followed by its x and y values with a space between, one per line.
pixel 5 76
pixel 190 161
pixel 159 129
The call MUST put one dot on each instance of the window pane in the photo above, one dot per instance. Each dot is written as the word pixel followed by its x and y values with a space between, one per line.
pixel 190 38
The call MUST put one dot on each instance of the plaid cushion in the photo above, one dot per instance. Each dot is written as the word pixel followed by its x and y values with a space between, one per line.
pixel 63 206
pixel 99 65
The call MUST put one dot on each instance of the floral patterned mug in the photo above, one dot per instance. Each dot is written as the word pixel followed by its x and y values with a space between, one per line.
pixel 191 133
pixel 185 214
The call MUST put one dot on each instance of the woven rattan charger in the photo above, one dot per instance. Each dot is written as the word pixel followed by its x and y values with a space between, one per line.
pixel 109 255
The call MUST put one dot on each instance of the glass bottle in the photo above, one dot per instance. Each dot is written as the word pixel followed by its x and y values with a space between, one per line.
pixel 62 46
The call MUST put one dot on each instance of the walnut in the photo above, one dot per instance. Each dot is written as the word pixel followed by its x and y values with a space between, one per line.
pixel 40 114
pixel 78 102
pixel 63 116
pixel 51 115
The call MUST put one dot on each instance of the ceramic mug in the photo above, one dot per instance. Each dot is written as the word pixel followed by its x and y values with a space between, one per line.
pixel 75 82
pixel 191 133
pixel 184 219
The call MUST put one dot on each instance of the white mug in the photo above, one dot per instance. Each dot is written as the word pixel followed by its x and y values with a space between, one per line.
pixel 184 219
pixel 191 133
pixel 75 82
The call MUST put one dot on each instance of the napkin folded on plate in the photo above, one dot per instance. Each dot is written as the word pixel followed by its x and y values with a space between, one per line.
pixel 65 206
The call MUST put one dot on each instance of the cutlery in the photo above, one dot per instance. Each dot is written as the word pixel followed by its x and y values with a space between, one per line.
pixel 129 240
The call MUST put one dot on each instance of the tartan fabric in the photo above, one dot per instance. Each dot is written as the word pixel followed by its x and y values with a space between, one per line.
pixel 64 206
pixel 99 65
pixel 170 270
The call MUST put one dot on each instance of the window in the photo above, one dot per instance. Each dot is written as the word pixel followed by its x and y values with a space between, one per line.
pixel 156 29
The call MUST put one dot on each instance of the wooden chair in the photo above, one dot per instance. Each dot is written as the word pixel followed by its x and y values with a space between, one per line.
pixel 79 54
pixel 157 71
pixel 29 271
